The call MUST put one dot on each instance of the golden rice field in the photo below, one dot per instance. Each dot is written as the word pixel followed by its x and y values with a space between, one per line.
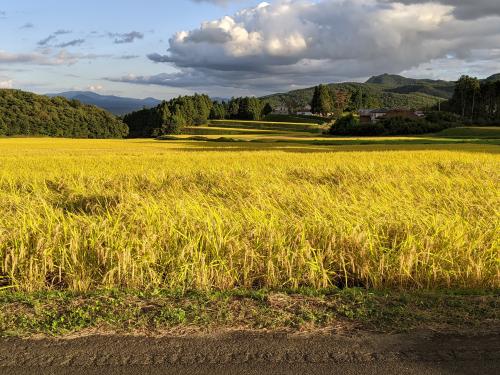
pixel 94 214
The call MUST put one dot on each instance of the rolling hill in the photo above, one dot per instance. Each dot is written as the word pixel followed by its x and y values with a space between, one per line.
pixel 114 104
pixel 387 90
pixel 27 114
pixel 382 91
pixel 493 78
pixel 402 85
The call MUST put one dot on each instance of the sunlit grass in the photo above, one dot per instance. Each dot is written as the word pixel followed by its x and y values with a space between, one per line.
pixel 472 132
pixel 84 215
pixel 272 125
pixel 261 122
pixel 213 130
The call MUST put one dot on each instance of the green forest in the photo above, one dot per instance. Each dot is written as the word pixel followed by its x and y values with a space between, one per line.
pixel 28 114
pixel 171 116
pixel 476 100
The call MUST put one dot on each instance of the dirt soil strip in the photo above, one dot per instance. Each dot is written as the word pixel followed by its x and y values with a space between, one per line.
pixel 256 353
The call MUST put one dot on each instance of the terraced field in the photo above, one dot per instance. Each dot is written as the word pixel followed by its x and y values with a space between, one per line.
pixel 290 135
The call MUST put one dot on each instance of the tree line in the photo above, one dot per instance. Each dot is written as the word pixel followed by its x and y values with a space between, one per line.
pixel 335 101
pixel 434 122
pixel 350 97
pixel 475 100
pixel 170 117
pixel 28 114
pixel 332 103
pixel 472 99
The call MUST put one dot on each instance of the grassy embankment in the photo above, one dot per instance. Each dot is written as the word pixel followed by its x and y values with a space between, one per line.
pixel 265 132
pixel 269 125
pixel 188 225
pixel 297 119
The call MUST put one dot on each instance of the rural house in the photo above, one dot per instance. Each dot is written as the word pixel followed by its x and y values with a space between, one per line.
pixel 305 111
pixel 374 115
pixel 281 110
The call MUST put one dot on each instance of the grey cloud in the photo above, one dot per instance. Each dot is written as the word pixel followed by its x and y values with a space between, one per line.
pixel 46 40
pixel 218 2
pixel 46 58
pixel 27 25
pixel 53 36
pixel 62 32
pixel 157 58
pixel 25 58
pixel 64 57
pixel 246 83
pixel 464 9
pixel 11 70
pixel 209 36
pixel 71 43
pixel 200 79
pixel 127 57
pixel 122 38
pixel 9 58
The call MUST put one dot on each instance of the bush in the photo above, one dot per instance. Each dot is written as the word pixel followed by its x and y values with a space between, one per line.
pixel 403 126
pixel 345 125
pixel 370 129
pixel 350 125
pixel 433 123
pixel 443 117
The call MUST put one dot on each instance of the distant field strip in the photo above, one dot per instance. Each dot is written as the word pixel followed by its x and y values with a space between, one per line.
pixel 84 215
pixel 213 130
pixel 297 118
pixel 266 125
pixel 472 132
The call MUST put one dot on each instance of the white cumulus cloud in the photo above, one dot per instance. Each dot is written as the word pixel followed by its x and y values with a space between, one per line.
pixel 6 84
pixel 299 42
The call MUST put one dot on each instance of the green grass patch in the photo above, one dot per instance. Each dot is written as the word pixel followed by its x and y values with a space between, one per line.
pixel 267 125
pixel 331 141
pixel 297 119
pixel 205 130
pixel 58 313
pixel 471 132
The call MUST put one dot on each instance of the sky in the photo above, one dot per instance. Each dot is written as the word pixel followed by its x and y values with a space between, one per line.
pixel 165 48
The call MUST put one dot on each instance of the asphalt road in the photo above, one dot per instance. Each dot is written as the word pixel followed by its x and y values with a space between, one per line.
pixel 255 353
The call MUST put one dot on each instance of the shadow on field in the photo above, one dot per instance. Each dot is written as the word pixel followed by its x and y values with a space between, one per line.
pixel 295 148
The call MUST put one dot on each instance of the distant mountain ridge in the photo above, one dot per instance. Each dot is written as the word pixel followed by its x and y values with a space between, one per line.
pixel 391 79
pixel 397 80
pixel 493 78
pixel 114 104
pixel 385 90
